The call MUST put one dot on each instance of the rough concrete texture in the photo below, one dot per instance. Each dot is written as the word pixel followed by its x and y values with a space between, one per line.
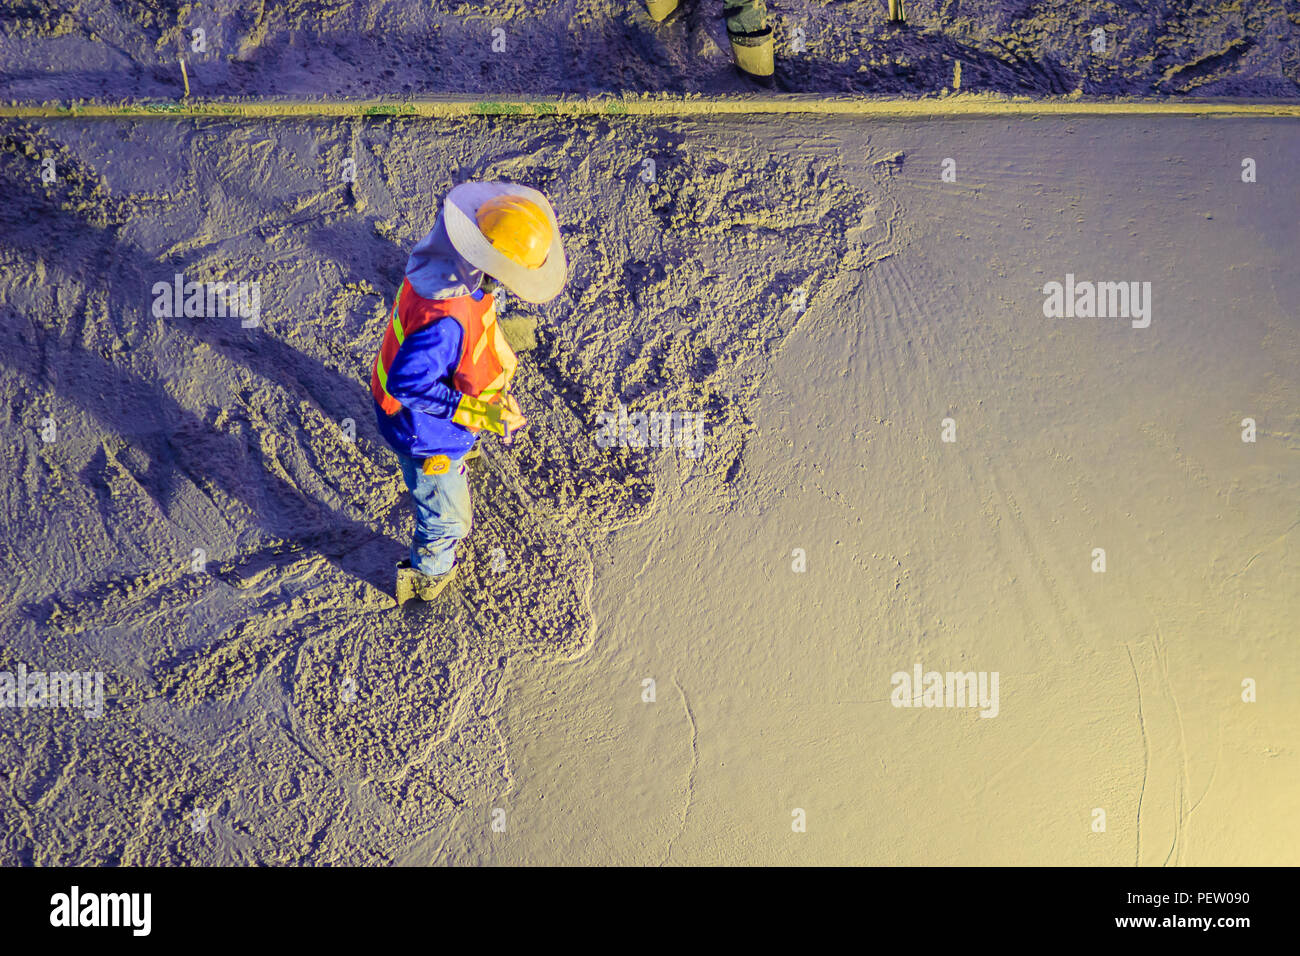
pixel 179 434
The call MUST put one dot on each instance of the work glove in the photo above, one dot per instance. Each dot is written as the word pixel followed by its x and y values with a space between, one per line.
pixel 503 419
pixel 474 413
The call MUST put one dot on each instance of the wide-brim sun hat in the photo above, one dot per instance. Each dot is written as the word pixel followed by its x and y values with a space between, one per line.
pixel 460 215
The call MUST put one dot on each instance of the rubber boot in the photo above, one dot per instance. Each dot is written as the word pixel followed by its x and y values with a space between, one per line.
pixel 754 54
pixel 405 582
pixel 429 586
pixel 659 10
pixel 412 584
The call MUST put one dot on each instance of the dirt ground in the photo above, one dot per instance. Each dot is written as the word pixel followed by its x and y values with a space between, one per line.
pixel 116 49
pixel 213 521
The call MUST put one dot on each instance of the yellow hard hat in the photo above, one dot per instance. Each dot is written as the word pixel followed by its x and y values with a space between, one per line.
pixel 517 228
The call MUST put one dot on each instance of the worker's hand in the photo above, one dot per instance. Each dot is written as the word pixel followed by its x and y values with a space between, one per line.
pixel 512 415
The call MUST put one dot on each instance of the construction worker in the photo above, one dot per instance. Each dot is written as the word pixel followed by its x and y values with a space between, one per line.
pixel 751 37
pixel 442 375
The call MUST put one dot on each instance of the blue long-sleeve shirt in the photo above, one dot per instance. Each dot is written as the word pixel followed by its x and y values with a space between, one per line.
pixel 420 376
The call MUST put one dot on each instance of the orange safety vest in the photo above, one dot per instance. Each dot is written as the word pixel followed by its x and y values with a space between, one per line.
pixel 486 364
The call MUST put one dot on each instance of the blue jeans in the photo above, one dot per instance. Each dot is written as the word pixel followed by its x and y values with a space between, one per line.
pixel 443 513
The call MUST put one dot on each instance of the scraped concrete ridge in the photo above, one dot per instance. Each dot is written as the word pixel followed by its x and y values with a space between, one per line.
pixel 647 105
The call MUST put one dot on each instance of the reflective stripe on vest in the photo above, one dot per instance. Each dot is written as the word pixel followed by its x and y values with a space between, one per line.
pixel 380 374
pixel 486 363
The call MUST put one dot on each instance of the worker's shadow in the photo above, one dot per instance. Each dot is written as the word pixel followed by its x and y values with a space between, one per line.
pixel 911 61
pixel 898 60
pixel 637 54
pixel 363 253
pixel 176 442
